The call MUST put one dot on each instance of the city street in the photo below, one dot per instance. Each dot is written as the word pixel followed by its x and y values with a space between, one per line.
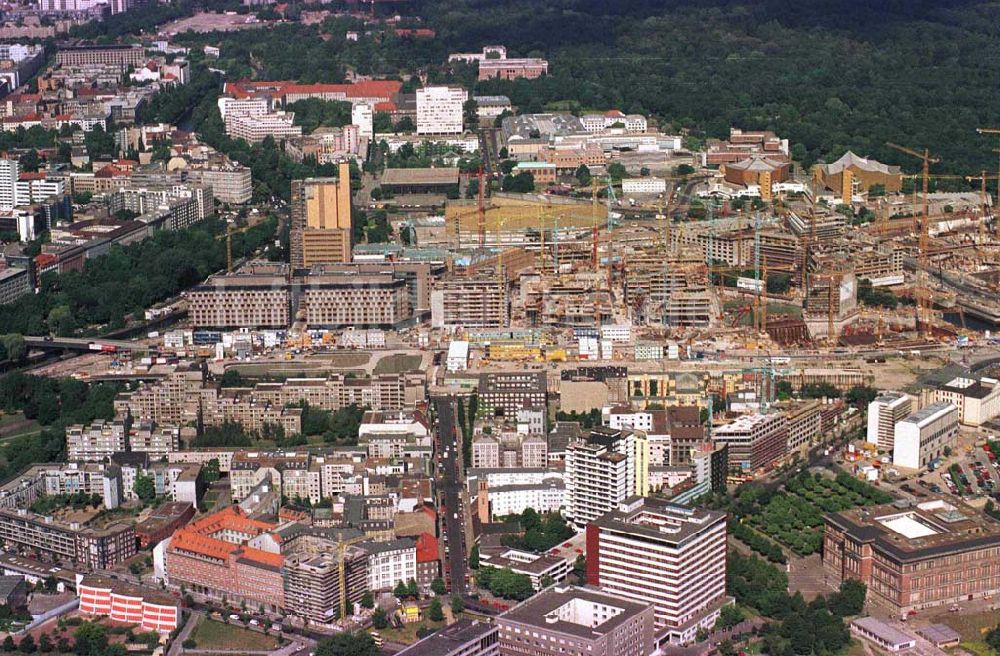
pixel 449 449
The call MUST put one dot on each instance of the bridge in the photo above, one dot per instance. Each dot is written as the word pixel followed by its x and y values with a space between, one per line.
pixel 91 344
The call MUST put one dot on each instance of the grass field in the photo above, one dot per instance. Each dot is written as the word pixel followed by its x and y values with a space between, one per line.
pixel 398 363
pixel 970 625
pixel 210 634
pixel 408 634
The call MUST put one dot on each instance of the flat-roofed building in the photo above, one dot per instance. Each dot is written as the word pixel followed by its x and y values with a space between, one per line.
pixel 440 110
pixel 934 553
pixel 568 620
pixel 513 68
pixel 924 435
pixel 123 56
pixel 321 227
pixel 884 412
pixel 671 556
pixel 978 401
pixel 465 637
pixel 420 181
pixel 98 441
pixel 469 302
pixel 754 441
pixel 249 298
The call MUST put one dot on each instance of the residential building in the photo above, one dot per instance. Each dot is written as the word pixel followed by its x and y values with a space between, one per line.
pixel 505 393
pixel 464 637
pixel 534 451
pixel 88 548
pixel 123 56
pixel 440 109
pixel 923 436
pixel 363 116
pixel 884 412
pixel 600 474
pixel 567 620
pixel 485 452
pixel 230 183
pixel 98 441
pixel 162 522
pixel 805 423
pixel 647 185
pixel 321 220
pixel 614 119
pixel 250 297
pixel 9 176
pixel 157 441
pixel 498 494
pixel 390 562
pixel 656 552
pixel 911 557
pixel 755 441
pixel 14 283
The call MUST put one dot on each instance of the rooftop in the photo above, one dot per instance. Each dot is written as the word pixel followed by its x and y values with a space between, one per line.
pixel 570 611
pixel 435 176
pixel 659 520
pixel 451 639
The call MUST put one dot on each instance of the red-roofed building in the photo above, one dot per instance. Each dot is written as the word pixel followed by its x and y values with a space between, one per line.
pixel 228 554
pixel 428 560
pixel 284 92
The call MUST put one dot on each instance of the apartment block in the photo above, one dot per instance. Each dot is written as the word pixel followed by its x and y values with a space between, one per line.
pixel 121 602
pixel 506 393
pixel 98 441
pixel 312 577
pixel 600 474
pixel 86 547
pixel 157 441
pixel 567 620
pixel 14 283
pixel 390 562
pixel 671 556
pixel 466 302
pixel 123 56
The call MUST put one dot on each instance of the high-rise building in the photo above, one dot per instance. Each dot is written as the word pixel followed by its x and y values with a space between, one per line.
pixel 439 109
pixel 755 441
pixel 884 413
pixel 363 116
pixel 9 173
pixel 321 220
pixel 673 557
pixel 600 473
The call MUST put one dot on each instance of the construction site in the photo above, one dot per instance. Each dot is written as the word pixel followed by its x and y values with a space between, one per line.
pixel 845 260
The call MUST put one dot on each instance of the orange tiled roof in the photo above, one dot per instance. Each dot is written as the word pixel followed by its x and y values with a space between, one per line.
pixel 427 548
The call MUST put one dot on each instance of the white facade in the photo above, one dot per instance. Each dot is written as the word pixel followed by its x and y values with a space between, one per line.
pixel 458 356
pixel 363 116
pixel 546 496
pixel 635 419
pixel 439 109
pixel 390 562
pixel 9 172
pixel 599 476
pixel 922 436
pixel 648 185
pixel 601 122
pixel 884 412
pixel 37 190
pixel 977 401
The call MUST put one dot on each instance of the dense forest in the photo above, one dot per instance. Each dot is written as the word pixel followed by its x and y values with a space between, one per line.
pixel 829 76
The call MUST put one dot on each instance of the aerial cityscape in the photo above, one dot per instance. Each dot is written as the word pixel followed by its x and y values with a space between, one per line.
pixel 499 328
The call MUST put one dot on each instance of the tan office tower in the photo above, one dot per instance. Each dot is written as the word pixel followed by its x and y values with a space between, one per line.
pixel 321 220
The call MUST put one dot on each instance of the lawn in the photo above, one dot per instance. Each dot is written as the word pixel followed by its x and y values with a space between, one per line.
pixel 794 516
pixel 210 634
pixel 408 634
pixel 398 363
pixel 970 625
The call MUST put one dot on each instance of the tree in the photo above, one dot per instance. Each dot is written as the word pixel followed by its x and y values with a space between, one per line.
pixel 616 170
pixel 379 619
pixel 438 587
pixel 457 605
pixel 400 591
pixel 144 487
pixel 367 601
pixel 210 472
pixel 189 643
pixel 231 378
pixel 60 321
pixel 27 645
pixel 849 599
pixel 860 396
pixel 583 175
pixel 434 612
pixel 729 616
pixel 13 346
pixel 522 183
pixel 8 644
pixel 474 557
pixel 346 644
pixel 546 581
pixel 685 169
pixel 412 589
pixel 45 643
pixel 784 390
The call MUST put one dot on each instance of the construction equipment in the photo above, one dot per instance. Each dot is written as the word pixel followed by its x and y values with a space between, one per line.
pixel 983 214
pixel 993 131
pixel 342 570
pixel 922 291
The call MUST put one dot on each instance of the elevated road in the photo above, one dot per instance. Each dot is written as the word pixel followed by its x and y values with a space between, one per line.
pixel 92 344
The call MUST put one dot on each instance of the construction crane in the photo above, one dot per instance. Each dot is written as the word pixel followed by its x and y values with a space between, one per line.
pixel 923 293
pixel 228 236
pixel 983 214
pixel 996 132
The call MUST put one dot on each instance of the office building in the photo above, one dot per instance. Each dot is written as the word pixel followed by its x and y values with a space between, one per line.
pixel 86 547
pixel 884 413
pixel 656 552
pixel 390 562
pixel 127 604
pixel 469 302
pixel 568 620
pixel 10 170
pixel 511 69
pixel 440 109
pixel 123 56
pixel 923 436
pixel 363 116
pixel 755 441
pixel 321 220
pixel 251 297
pixel 978 401
pixel 505 393
pixel 465 637
pixel 912 557
pixel 230 184
pixel 14 283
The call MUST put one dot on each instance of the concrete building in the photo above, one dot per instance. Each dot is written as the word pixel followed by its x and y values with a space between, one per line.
pixel 440 109
pixel 485 452
pixel 505 393
pixel 754 441
pixel 673 557
pixel 648 185
pixel 14 283
pixel 230 184
pixel 568 620
pixel 123 56
pixel 466 302
pixel 250 297
pixel 157 441
pixel 545 493
pixel 911 557
pixel 321 228
pixel 89 548
pixel 884 413
pixel 537 567
pixel 9 176
pixel 363 116
pixel 922 436
pixel 312 578
pixel 883 635
pixel 465 637
pixel 98 441
pixel 978 401
pixel 121 602
pixel 600 473
pixel 512 69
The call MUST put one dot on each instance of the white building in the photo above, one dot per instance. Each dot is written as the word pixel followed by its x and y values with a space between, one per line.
pixel 390 562
pixel 620 418
pixel 534 451
pixel 619 333
pixel 97 441
pixel 531 421
pixel 9 173
pixel 458 356
pixel 363 116
pixel 535 566
pixel 485 452
pixel 923 436
pixel 35 190
pixel 546 495
pixel 600 474
pixel 612 119
pixel 884 412
pixel 647 185
pixel 439 109
pixel 978 401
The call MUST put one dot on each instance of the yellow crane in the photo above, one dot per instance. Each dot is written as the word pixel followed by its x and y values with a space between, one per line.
pixel 982 178
pixel 922 291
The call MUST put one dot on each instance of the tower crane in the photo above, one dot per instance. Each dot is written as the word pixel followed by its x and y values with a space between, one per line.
pixel 982 178
pixel 923 293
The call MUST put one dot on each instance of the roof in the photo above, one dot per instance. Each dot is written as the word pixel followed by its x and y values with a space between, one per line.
pixel 431 176
pixel 648 517
pixel 940 634
pixel 8 584
pixel 851 161
pixel 451 639
pixel 540 611
pixel 929 413
pixel 390 545
pixel 885 632
pixel 427 548
pixel 757 163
